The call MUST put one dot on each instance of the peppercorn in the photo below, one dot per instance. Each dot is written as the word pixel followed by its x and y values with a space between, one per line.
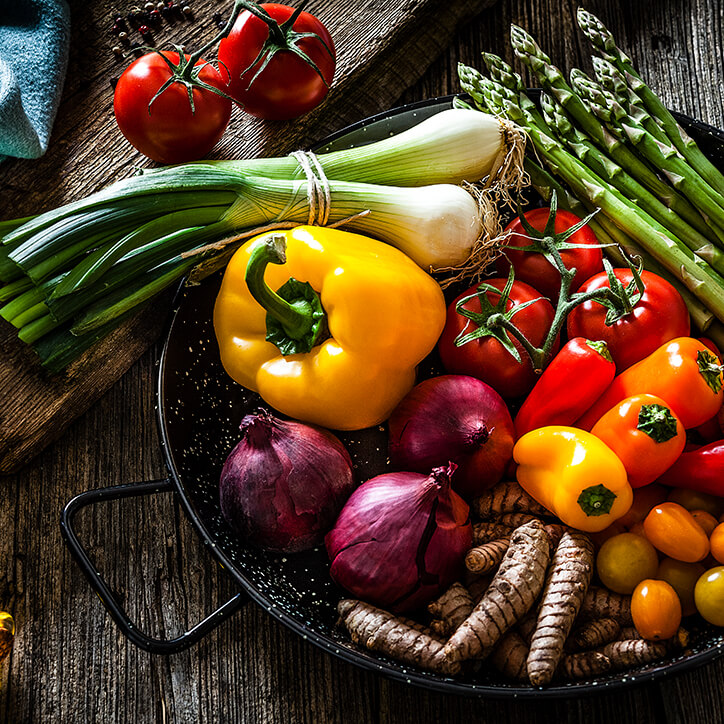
pixel 148 7
pixel 218 20
pixel 186 10
pixel 123 37
pixel 117 51
pixel 155 16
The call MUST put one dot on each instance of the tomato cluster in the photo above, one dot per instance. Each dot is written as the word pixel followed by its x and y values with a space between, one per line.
pixel 276 63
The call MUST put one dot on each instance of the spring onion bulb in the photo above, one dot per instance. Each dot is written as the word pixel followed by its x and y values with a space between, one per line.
pixel 70 274
pixel 450 147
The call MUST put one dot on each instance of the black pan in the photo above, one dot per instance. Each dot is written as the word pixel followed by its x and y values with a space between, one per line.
pixel 199 410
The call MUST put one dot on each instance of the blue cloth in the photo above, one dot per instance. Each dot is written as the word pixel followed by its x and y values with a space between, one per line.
pixel 34 40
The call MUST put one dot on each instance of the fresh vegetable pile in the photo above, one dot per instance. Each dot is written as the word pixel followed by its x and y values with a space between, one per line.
pixel 549 504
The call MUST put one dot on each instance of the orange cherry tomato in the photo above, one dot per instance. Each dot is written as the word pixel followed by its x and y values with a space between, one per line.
pixel 682 577
pixel 694 500
pixel 655 609
pixel 644 499
pixel 645 434
pixel 716 541
pixel 706 520
pixel 673 530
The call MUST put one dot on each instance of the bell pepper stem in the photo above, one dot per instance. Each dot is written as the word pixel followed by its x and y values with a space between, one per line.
pixel 296 318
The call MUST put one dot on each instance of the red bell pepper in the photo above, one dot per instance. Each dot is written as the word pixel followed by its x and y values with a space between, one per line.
pixel 572 382
pixel 701 470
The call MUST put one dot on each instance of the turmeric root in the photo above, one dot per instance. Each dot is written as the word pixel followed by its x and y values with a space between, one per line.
pixel 593 634
pixel 380 631
pixel 510 596
pixel 584 665
pixel 526 627
pixel 486 557
pixel 478 586
pixel 506 497
pixel 555 533
pixel 566 585
pixel 679 641
pixel 632 653
pixel 486 532
pixel 514 520
pixel 602 603
pixel 509 656
pixel 450 609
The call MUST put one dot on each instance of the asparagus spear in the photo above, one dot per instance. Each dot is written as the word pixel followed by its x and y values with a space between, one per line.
pixel 611 172
pixel 615 147
pixel 602 39
pixel 660 154
pixel 693 272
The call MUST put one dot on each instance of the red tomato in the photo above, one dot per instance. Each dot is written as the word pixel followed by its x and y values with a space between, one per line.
pixel 659 316
pixel 167 130
pixel 288 86
pixel 486 358
pixel 534 269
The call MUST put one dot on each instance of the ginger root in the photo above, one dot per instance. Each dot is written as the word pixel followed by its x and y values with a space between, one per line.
pixel 380 631
pixel 507 497
pixel 511 595
pixel 678 642
pixel 484 558
pixel 450 609
pixel 515 520
pixel 566 585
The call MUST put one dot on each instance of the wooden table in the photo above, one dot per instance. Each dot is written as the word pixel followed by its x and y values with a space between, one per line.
pixel 70 664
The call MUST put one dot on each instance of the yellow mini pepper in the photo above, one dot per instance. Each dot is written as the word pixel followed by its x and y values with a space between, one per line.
pixel 338 340
pixel 573 474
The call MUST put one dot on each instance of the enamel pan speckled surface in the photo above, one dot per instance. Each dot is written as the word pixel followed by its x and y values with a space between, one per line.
pixel 199 413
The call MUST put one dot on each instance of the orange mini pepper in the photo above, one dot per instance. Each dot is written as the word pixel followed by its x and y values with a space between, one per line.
pixel 573 474
pixel 673 530
pixel 684 372
pixel 645 434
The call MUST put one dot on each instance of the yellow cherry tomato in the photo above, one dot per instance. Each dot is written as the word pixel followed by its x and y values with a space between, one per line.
pixel 624 561
pixel 673 530
pixel 655 610
pixel 709 595
pixel 682 577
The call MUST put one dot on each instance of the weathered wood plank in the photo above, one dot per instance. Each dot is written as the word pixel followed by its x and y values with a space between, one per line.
pixel 70 664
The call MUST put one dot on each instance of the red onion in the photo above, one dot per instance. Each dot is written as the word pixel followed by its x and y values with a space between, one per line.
pixel 400 539
pixel 458 418
pixel 285 482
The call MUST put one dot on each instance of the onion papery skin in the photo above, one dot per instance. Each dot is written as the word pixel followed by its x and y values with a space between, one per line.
pixel 458 418
pixel 284 483
pixel 400 539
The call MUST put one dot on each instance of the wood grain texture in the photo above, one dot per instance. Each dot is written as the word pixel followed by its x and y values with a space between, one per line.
pixel 382 49
pixel 70 664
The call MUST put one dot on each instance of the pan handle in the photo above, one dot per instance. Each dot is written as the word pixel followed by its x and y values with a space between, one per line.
pixel 109 599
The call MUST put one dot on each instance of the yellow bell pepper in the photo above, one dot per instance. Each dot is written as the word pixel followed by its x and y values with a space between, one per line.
pixel 337 347
pixel 573 474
